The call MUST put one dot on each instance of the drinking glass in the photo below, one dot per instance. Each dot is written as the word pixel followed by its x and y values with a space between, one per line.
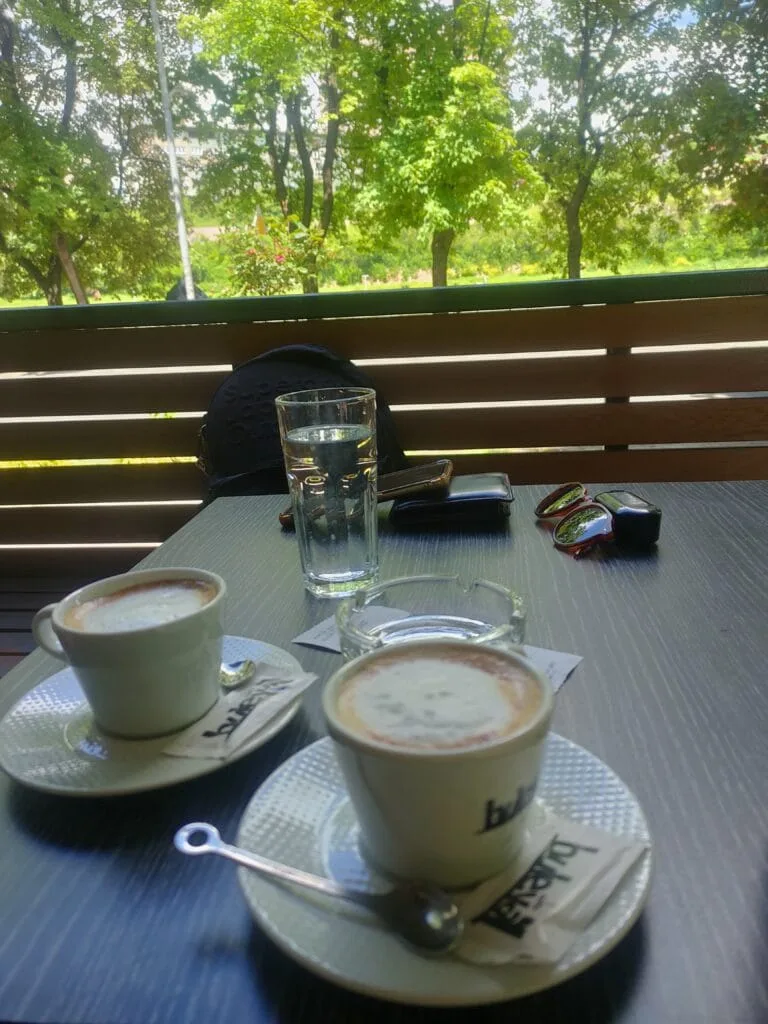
pixel 437 607
pixel 329 445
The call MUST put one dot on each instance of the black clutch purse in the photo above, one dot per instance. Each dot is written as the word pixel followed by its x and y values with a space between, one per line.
pixel 477 499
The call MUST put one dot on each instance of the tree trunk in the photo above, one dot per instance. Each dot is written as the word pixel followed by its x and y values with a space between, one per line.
pixel 68 264
pixel 309 283
pixel 52 287
pixel 49 283
pixel 278 154
pixel 333 110
pixel 293 116
pixel 575 242
pixel 441 247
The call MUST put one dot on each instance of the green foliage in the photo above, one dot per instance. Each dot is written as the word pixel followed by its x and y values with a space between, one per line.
pixel 435 169
pixel 271 258
pixel 382 140
pixel 486 253
pixel 211 266
pixel 354 257
pixel 725 141
pixel 278 74
pixel 77 169
pixel 430 140
pixel 599 87
pixel 403 104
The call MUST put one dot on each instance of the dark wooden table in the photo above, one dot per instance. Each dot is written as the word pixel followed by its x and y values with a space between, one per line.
pixel 102 922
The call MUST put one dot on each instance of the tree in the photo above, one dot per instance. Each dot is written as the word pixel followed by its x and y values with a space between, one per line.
pixel 432 145
pixel 397 109
pixel 724 143
pixel 277 72
pixel 599 80
pixel 82 193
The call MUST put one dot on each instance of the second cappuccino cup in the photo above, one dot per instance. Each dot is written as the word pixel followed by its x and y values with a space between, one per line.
pixel 440 744
pixel 145 647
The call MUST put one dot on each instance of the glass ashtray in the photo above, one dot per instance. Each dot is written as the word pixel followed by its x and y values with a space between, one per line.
pixel 439 607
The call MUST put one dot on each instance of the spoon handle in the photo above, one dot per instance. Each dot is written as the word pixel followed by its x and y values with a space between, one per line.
pixel 215 844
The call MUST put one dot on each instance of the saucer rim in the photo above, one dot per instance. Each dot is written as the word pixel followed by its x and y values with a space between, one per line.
pixel 539 978
pixel 189 768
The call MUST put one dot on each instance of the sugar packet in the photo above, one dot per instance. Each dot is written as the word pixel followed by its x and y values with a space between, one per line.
pixel 535 910
pixel 238 714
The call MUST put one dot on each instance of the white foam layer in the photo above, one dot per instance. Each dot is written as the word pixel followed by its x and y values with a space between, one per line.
pixel 142 606
pixel 436 702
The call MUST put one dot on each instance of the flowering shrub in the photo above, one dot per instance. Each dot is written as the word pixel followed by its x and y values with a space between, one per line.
pixel 272 257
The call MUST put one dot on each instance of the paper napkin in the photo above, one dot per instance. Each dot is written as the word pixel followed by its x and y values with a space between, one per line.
pixel 556 665
pixel 533 912
pixel 326 634
pixel 239 714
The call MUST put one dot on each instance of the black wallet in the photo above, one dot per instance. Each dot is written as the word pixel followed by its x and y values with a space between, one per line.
pixel 476 499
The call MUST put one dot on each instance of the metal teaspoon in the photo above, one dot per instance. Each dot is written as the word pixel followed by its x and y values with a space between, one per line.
pixel 423 915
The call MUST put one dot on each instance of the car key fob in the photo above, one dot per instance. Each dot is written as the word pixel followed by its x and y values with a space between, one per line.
pixel 636 522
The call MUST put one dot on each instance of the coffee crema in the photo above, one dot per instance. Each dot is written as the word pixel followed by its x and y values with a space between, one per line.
pixel 140 606
pixel 438 697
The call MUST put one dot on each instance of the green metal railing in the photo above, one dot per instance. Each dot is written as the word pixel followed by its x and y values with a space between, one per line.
pixel 646 288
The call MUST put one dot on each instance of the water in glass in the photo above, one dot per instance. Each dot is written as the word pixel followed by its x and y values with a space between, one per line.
pixel 332 474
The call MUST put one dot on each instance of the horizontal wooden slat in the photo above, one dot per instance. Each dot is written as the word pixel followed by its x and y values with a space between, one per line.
pixel 88 524
pixel 14 619
pixel 169 481
pixel 679 373
pixel 112 348
pixel 550 426
pixel 100 439
pixel 670 373
pixel 44 588
pixel 16 643
pixel 552 468
pixel 672 323
pixel 634 423
pixel 29 601
pixel 41 396
pixel 664 373
pixel 54 563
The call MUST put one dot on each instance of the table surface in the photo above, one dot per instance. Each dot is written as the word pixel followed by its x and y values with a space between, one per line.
pixel 102 922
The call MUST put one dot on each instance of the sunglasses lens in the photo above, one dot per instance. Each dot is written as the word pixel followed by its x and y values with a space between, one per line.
pixel 583 528
pixel 558 501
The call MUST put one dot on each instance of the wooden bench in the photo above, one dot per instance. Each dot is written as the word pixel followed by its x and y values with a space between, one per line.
pixel 617 340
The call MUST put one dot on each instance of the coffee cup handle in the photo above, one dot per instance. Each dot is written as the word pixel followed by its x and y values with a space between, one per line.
pixel 44 634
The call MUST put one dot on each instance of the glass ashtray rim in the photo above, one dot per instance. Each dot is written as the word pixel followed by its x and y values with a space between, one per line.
pixel 367 595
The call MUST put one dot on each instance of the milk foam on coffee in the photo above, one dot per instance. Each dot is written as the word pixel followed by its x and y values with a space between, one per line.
pixel 438 698
pixel 140 606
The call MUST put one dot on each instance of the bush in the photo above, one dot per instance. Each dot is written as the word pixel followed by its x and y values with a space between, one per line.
pixel 211 267
pixel 272 258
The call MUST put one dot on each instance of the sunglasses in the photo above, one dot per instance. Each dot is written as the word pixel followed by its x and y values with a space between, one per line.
pixel 619 516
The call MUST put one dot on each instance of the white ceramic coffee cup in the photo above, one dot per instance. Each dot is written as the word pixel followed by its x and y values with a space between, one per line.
pixel 148 681
pixel 452 817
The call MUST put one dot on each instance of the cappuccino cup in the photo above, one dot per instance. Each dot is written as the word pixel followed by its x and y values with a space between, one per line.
pixel 440 744
pixel 145 647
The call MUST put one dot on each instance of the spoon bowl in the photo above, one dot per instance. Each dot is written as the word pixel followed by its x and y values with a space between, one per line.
pixel 236 673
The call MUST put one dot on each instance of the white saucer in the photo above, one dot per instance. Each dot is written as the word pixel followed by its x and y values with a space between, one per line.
pixel 302 816
pixel 49 741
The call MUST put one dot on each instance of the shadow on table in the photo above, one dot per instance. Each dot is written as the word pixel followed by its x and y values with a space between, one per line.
pixel 599 995
pixel 130 823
